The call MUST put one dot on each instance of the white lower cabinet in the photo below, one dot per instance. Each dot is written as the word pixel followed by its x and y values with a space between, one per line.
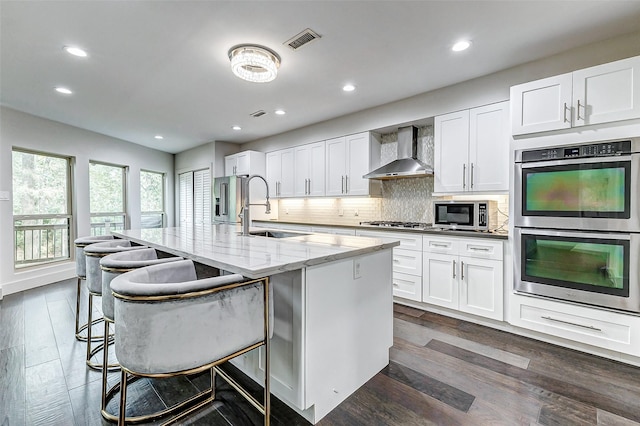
pixel 604 329
pixel 407 262
pixel 464 274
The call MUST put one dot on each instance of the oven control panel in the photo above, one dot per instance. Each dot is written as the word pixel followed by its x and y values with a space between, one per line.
pixel 605 149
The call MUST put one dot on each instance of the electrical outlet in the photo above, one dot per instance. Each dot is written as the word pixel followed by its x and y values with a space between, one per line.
pixel 356 213
pixel 286 211
pixel 356 269
pixel 340 212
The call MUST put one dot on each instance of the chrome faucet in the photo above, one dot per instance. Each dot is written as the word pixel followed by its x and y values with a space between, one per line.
pixel 244 211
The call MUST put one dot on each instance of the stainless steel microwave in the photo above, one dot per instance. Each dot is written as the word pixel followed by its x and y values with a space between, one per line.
pixel 465 215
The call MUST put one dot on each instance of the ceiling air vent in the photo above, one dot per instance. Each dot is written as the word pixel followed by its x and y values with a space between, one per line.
pixel 258 113
pixel 301 39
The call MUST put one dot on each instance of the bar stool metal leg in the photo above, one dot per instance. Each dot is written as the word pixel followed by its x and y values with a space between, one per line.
pixel 106 338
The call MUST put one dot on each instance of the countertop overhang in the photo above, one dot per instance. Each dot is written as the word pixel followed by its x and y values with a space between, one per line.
pixel 221 246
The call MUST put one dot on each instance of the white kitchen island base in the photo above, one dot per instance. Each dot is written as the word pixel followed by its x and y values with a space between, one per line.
pixel 332 332
pixel 332 300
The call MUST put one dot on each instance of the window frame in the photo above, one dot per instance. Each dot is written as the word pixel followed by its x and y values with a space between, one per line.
pixel 124 214
pixel 69 216
pixel 162 212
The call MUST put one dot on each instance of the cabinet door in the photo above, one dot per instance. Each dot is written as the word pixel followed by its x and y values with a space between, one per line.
pixel 489 148
pixel 357 164
pixel 287 173
pixel 243 163
pixel 481 287
pixel 451 152
pixel 336 166
pixel 230 165
pixel 316 169
pixel 440 280
pixel 302 158
pixel 274 167
pixel 541 105
pixel 609 92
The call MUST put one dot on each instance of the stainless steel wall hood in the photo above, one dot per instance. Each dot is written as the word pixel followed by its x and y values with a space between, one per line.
pixel 407 164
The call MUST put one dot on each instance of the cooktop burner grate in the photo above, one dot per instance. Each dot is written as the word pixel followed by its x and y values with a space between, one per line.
pixel 397 224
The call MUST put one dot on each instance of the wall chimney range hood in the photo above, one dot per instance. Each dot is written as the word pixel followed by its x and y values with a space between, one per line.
pixel 407 164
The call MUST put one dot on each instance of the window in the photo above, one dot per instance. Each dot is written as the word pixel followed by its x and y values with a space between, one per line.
pixel 195 197
pixel 151 199
pixel 107 198
pixel 41 208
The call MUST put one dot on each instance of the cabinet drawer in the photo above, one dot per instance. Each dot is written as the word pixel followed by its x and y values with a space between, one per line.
pixel 481 248
pixel 407 241
pixel 609 330
pixel 407 261
pixel 440 245
pixel 407 286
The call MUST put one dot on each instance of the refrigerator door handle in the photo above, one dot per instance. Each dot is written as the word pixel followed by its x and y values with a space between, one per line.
pixel 224 199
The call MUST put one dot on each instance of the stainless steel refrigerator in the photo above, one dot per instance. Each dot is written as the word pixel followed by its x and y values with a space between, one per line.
pixel 228 193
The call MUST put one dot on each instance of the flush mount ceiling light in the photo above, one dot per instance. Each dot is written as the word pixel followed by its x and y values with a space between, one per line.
pixel 348 87
pixel 237 128
pixel 257 64
pixel 280 112
pixel 159 137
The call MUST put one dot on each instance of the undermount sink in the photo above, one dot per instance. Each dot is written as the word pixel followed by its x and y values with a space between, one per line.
pixel 276 234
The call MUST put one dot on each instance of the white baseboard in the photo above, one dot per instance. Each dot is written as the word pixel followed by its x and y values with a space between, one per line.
pixel 38 279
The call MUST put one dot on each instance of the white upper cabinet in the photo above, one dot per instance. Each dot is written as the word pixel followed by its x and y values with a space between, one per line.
pixel 348 158
pixel 244 163
pixel 280 172
pixel 309 170
pixel 472 150
pixel 599 94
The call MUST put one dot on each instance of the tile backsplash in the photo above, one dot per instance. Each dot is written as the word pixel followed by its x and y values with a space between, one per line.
pixel 406 199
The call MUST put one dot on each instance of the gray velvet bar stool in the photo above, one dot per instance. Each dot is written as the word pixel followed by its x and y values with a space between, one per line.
pixel 93 253
pixel 81 272
pixel 169 323
pixel 113 265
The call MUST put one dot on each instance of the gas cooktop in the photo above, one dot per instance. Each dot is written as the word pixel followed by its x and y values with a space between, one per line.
pixel 397 224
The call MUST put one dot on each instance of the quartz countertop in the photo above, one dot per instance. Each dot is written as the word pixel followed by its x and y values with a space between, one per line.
pixel 432 231
pixel 222 247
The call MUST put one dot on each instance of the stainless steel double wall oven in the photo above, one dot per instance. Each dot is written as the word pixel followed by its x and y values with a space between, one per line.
pixel 577 223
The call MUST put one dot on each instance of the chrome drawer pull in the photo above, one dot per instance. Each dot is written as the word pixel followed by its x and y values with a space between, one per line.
pixel 439 245
pixel 396 285
pixel 590 327
pixel 479 249
pixel 396 260
pixel 454 269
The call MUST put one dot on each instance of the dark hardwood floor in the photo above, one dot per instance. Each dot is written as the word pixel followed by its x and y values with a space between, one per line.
pixel 443 371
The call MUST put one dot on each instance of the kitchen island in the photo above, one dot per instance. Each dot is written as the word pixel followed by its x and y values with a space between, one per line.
pixel 332 299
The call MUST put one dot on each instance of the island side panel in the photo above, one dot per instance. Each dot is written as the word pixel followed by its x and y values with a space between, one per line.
pixel 349 327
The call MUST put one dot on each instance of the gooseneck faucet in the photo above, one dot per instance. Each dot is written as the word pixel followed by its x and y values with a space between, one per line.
pixel 244 212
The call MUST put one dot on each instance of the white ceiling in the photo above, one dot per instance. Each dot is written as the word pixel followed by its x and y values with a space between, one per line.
pixel 161 67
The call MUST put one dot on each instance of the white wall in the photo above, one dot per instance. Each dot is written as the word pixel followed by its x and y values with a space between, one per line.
pixel 480 91
pixel 22 130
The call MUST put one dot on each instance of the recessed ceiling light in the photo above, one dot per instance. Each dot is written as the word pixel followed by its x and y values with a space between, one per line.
pixel 349 88
pixel 159 137
pixel 75 51
pixel 63 90
pixel 237 128
pixel 461 45
pixel 280 112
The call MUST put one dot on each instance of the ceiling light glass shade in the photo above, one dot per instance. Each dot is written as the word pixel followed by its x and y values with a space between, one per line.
pixel 254 63
pixel 461 45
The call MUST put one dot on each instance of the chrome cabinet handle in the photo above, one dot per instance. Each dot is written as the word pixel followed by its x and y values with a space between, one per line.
pixel 565 113
pixel 343 184
pixel 346 184
pixel 464 176
pixel 590 327
pixel 578 111
pixel 471 175
pixel 439 245
pixel 396 285
pixel 308 186
pixel 396 260
pixel 462 270
pixel 479 249
pixel 454 268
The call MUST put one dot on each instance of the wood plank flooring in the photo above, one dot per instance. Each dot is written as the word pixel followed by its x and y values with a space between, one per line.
pixel 443 371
